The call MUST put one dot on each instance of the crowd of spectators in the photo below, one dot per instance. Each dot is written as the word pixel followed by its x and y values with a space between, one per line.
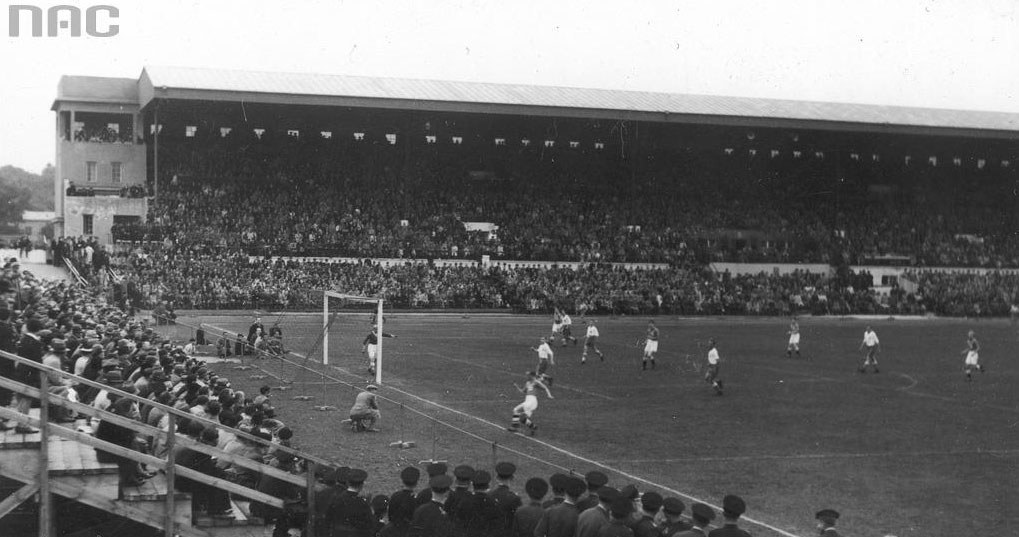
pixel 102 134
pixel 133 191
pixel 69 327
pixel 291 199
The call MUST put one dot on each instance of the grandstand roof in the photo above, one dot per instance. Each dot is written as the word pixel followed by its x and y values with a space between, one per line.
pixel 158 82
pixel 97 89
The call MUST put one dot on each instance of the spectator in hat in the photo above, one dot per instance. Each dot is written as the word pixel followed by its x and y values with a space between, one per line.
pixel 458 497
pixel 506 501
pixel 595 480
pixel 651 503
pixel 433 469
pixel 673 523
pixel 732 508
pixel 60 385
pixel 557 484
pixel 482 515
pixel 527 516
pixel 350 513
pixel 31 348
pixel 409 477
pixel 631 493
pixel 204 497
pixel 619 519
pixel 8 343
pixel 701 515
pixel 104 398
pixel 281 519
pixel 130 472
pixel 325 495
pixel 365 412
pixel 826 522
pixel 560 520
pixel 399 516
pixel 592 520
pixel 429 520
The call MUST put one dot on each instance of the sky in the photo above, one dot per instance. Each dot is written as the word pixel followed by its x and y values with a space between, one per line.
pixel 959 54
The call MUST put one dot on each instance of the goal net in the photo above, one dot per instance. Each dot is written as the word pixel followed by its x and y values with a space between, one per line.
pixel 352 333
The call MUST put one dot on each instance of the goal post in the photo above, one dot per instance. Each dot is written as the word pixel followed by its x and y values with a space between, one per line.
pixel 327 320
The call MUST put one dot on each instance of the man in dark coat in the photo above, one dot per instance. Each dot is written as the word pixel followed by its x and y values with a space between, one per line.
pixel 430 519
pixel 32 348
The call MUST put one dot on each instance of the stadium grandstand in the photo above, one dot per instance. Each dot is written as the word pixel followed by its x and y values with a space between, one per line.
pixel 189 199
pixel 254 171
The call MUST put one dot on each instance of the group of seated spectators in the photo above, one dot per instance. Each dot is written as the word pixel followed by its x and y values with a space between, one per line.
pixel 102 134
pixel 289 200
pixel 133 191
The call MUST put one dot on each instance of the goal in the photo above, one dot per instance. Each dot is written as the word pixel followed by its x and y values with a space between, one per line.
pixel 369 309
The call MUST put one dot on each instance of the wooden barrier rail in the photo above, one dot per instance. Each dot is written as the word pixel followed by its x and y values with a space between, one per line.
pixel 171 438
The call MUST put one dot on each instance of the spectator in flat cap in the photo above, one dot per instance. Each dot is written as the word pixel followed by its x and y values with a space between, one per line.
pixel 595 480
pixel 409 476
pixel 430 520
pixel 325 495
pixel 59 385
pixel 506 501
pixel 732 508
pixel 647 526
pixel 619 521
pixel 557 482
pixel 350 513
pixel 826 519
pixel 674 522
pixel 592 520
pixel 702 516
pixel 527 516
pixel 560 520
pixel 433 469
pixel 31 348
pixel 460 493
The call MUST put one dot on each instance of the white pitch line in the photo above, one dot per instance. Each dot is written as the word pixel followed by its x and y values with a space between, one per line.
pixel 822 456
pixel 591 461
pixel 508 372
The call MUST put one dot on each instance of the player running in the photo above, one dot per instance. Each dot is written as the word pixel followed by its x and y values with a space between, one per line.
pixel 523 411
pixel 546 359
pixel 370 345
pixel 794 338
pixel 873 345
pixel 567 330
pixel 712 374
pixel 972 352
pixel 591 342
pixel 650 345
pixel 557 324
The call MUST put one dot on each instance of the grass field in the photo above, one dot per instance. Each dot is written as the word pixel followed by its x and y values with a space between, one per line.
pixel 912 451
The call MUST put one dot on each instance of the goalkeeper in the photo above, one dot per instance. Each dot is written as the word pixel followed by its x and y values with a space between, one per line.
pixel 370 345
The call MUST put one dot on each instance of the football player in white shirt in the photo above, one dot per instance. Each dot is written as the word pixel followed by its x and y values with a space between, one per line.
pixel 591 342
pixel 972 352
pixel 567 330
pixel 712 374
pixel 546 359
pixel 873 345
pixel 794 338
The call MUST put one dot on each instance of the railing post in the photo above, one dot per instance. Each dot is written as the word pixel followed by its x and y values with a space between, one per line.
pixel 171 494
pixel 309 522
pixel 45 501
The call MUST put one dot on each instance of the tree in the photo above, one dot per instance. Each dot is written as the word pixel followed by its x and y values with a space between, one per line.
pixel 15 200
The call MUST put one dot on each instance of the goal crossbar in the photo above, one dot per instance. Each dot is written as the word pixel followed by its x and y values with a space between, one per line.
pixel 326 295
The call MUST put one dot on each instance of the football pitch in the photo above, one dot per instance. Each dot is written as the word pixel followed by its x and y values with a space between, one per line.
pixel 914 450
